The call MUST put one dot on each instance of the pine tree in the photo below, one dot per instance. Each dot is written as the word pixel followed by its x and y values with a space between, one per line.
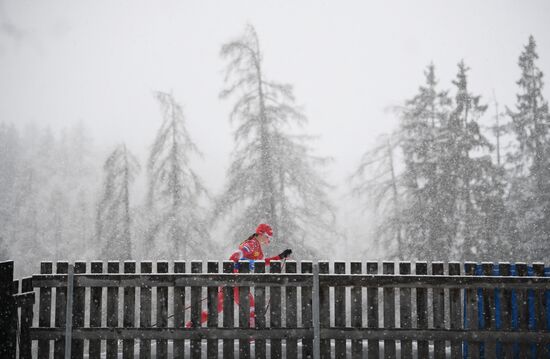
pixel 274 177
pixel 113 222
pixel 426 206
pixel 10 157
pixel 379 182
pixel 531 187
pixel 478 201
pixel 175 191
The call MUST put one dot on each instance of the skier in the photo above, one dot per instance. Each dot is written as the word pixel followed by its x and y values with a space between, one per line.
pixel 251 250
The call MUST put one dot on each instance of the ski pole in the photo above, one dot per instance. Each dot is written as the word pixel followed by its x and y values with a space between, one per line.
pixel 188 307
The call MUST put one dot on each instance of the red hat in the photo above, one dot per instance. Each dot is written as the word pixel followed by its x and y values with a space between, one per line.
pixel 264 229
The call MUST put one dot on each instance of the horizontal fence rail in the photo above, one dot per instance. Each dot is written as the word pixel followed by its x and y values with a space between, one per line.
pixel 297 310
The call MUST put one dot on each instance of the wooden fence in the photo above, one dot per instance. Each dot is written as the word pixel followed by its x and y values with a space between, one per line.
pixel 321 310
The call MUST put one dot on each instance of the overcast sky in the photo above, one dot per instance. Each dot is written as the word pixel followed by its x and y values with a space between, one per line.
pixel 99 62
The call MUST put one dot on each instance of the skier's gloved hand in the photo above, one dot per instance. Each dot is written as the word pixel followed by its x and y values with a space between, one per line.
pixel 286 253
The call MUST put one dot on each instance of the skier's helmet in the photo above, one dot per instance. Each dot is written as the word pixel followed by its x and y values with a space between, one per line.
pixel 264 229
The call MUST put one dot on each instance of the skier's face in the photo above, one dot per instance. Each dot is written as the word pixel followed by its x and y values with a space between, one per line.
pixel 263 239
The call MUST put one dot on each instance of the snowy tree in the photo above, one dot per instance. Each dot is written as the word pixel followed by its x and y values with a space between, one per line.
pixel 377 180
pixel 114 222
pixel 530 194
pixel 274 176
pixel 426 207
pixel 478 201
pixel 10 153
pixel 175 191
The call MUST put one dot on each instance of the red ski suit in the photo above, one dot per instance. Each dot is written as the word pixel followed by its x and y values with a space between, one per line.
pixel 251 249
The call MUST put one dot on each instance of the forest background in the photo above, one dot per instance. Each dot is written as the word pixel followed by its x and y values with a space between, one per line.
pixel 89 89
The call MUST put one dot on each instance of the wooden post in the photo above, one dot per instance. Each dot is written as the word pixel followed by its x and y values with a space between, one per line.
pixel 438 301
pixel 60 311
pixel 78 311
pixel 389 312
pixel 307 311
pixel 69 313
pixel 112 311
pixel 324 310
pixel 291 312
pixel 472 318
pixel 179 311
pixel 316 308
pixel 540 325
pixel 145 300
pixel 162 311
pixel 455 308
pixel 212 305
pixel 489 311
pixel 8 312
pixel 244 312
pixel 45 311
pixel 340 310
pixel 196 293
pixel 422 310
pixel 96 294
pixel 405 315
pixel 129 320
pixel 523 310
pixel 25 343
pixel 506 310
pixel 356 312
pixel 275 311
pixel 372 312
pixel 228 309
pixel 259 299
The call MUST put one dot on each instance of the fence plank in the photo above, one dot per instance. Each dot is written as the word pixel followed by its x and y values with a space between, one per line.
pixel 307 313
pixel 179 311
pixel 95 311
pixel 145 300
pixel 79 306
pixel 228 309
pixel 25 343
pixel 488 311
pixel 372 312
pixel 275 311
pixel 112 310
pixel 472 319
pixel 162 311
pixel 523 309
pixel 455 316
pixel 129 319
pixel 196 293
pixel 291 312
pixel 8 311
pixel 506 310
pixel 44 311
pixel 340 310
pixel 60 311
pixel 422 310
pixel 438 300
pixel 324 310
pixel 212 305
pixel 356 312
pixel 540 324
pixel 259 299
pixel 405 315
pixel 389 311
pixel 244 312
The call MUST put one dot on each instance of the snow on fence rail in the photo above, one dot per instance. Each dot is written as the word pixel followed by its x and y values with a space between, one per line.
pixel 473 310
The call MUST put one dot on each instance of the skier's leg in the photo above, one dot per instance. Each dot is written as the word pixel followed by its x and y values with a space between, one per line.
pixel 204 313
pixel 252 311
